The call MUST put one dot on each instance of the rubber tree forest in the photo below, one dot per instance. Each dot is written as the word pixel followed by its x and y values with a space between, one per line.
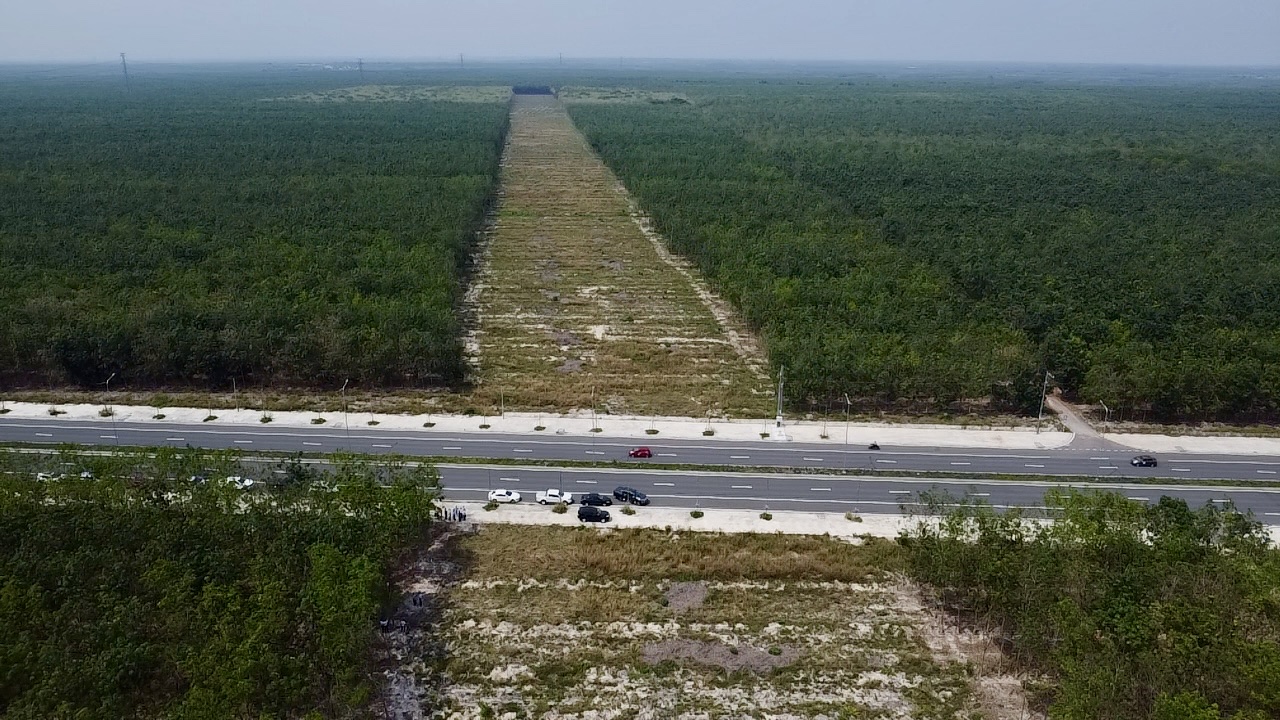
pixel 954 239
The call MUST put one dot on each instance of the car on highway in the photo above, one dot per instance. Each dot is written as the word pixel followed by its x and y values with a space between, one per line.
pixel 595 499
pixel 239 483
pixel 554 496
pixel 502 495
pixel 640 452
pixel 590 513
pixel 1143 461
pixel 624 493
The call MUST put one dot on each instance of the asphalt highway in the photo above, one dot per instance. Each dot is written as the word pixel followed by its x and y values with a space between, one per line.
pixel 765 453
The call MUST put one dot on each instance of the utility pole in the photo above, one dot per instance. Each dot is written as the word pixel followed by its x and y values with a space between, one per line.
pixel 782 371
pixel 460 62
pixel 125 66
pixel 1043 390
pixel 360 67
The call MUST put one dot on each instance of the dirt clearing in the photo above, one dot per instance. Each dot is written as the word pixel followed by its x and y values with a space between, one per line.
pixel 578 306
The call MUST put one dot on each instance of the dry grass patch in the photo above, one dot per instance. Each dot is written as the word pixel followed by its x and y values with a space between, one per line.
pixel 575 307
pixel 556 622
pixel 405 93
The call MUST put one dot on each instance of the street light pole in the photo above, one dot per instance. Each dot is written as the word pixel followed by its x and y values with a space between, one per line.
pixel 345 422
pixel 115 429
pixel 1043 390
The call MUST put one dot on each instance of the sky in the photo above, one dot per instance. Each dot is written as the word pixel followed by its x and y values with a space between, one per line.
pixel 1158 32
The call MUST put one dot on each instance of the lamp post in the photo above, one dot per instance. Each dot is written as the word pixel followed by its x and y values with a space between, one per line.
pixel 345 422
pixel 115 430
pixel 1043 391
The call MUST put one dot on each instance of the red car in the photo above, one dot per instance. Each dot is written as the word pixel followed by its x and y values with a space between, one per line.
pixel 640 452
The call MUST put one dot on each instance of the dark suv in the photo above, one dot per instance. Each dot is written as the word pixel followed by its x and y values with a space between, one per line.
pixel 1143 461
pixel 589 513
pixel 631 495
pixel 595 499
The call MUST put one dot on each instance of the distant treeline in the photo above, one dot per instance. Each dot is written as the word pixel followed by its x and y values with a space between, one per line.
pixel 192 239
pixel 933 242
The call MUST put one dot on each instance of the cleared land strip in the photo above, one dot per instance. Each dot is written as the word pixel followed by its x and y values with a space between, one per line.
pixel 575 306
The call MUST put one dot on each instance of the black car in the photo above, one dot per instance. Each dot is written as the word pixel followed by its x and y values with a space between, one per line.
pixel 1143 461
pixel 589 513
pixel 595 499
pixel 631 495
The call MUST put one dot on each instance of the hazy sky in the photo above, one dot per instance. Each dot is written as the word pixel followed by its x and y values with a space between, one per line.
pixel 1104 31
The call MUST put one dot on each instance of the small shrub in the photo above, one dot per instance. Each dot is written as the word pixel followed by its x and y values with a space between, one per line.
pixel 708 432
pixel 428 424
pixel 775 650
pixel 539 428
pixel 265 419
pixel 651 431
pixel 597 429
pixel 56 412
pixel 106 412
pixel 695 514
pixel 484 426
pixel 158 416
pixel 628 510
pixel 209 418
pixel 560 508
pixel 317 421
pixel 663 601
pixel 491 505
pixel 374 422
pixel 766 516
pixel 852 518
pixel 4 411
pixel 764 435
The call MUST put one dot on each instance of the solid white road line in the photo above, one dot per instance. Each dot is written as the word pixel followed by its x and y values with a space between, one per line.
pixel 887 461
pixel 965 463
pixel 381 446
pixel 899 492
pixel 665 484
pixel 739 457
pixel 1030 465
pixel 814 459
pixel 522 450
pixel 585 482
pixel 174 439
pixel 740 487
pixel 666 454
pixel 451 447
pixel 44 434
pixel 819 489
pixel 244 442
pixel 311 443
pixel 1108 467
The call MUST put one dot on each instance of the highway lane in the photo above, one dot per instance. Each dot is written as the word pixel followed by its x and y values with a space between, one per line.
pixel 817 493
pixel 537 446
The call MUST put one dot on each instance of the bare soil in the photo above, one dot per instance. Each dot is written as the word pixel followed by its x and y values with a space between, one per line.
pixel 683 596
pixel 726 657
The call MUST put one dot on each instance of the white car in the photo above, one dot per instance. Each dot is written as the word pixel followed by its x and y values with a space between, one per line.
pixel 504 496
pixel 553 496
pixel 240 483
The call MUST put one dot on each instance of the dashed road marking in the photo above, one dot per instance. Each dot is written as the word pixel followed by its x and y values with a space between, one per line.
pixel 739 457
pixel 665 484
pixel 1140 499
pixel 304 442
pixel 1030 465
pixel 521 450
pixel 381 446
pixel 961 463
pixel 1108 467
pixel 899 492
pixel 814 459
pixel 585 482
pixel 243 442
pixel 113 437
pixel 451 447
pixel 44 434
pixel 819 489
pixel 740 487
pixel 887 461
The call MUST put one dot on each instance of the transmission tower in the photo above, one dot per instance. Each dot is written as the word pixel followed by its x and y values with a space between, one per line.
pixel 460 63
pixel 360 67
pixel 125 66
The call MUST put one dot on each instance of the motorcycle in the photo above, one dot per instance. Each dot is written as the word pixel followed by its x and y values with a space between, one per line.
pixel 873 446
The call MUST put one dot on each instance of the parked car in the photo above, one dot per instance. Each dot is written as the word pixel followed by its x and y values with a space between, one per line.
pixel 49 476
pixel 640 452
pixel 503 495
pixel 595 499
pixel 239 483
pixel 553 496
pixel 1143 461
pixel 631 495
pixel 589 513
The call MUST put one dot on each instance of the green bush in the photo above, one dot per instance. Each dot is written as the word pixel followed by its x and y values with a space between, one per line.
pixel 560 508
pixel 491 505
pixel 766 516
pixel 695 514
pixel 628 510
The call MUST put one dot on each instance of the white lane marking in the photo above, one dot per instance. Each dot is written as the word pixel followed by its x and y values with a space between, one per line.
pixel 1108 467
pixel 509 479
pixel 594 452
pixel 112 437
pixel 665 484
pixel 381 446
pixel 739 457
pixel 887 461
pixel 44 434
pixel 819 489
pixel 814 459
pixel 451 447
pixel 174 439
pixel 1272 514
pixel 1140 499
pixel 961 463
pixel 244 442
pixel 980 494
pixel 666 454
pixel 1032 465
pixel 311 443
pixel 585 482
pixel 740 487
pixel 899 492
pixel 1099 458
pixel 521 450
pixel 1181 469
pixel 1266 472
